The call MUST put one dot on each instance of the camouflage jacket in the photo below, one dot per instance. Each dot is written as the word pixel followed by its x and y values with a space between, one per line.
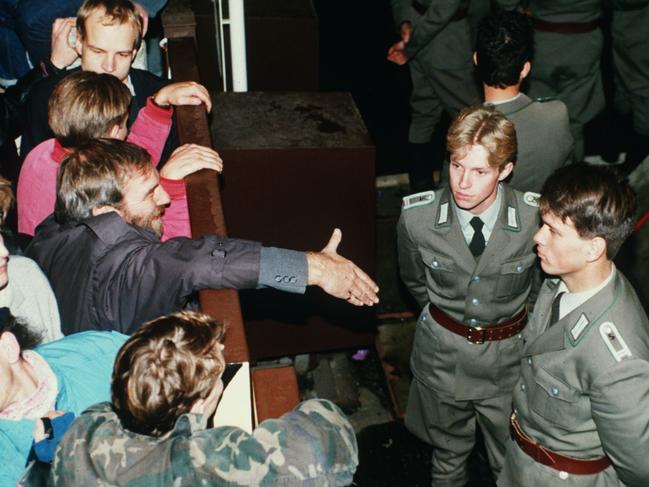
pixel 313 445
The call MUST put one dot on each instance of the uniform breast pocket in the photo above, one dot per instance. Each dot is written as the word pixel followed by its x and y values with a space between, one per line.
pixel 515 276
pixel 557 402
pixel 441 271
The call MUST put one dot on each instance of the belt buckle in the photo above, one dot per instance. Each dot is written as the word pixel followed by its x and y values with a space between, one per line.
pixel 479 339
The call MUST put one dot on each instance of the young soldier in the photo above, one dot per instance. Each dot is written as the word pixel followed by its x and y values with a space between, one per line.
pixel 582 400
pixel 466 255
pixel 166 385
pixel 503 56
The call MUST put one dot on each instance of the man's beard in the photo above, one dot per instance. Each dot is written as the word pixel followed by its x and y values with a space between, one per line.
pixel 152 222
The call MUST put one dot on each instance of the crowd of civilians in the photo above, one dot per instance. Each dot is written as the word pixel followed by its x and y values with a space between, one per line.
pixel 104 371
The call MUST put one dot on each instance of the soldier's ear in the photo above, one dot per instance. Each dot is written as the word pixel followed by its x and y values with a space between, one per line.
pixel 596 249
pixel 505 171
pixel 198 407
pixel 525 71
pixel 475 58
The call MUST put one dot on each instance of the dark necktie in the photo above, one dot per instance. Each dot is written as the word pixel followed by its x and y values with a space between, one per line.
pixel 477 242
pixel 556 305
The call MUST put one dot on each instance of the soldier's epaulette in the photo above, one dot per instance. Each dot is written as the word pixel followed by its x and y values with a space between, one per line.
pixel 614 341
pixel 531 198
pixel 544 99
pixel 418 199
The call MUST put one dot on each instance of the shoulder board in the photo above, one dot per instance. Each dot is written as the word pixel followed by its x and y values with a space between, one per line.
pixel 543 99
pixel 614 341
pixel 418 199
pixel 531 199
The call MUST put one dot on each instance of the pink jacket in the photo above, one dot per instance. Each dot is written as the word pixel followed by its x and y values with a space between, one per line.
pixel 36 193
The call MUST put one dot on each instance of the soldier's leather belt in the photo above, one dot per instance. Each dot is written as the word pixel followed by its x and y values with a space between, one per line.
pixel 557 461
pixel 484 333
pixel 565 27
pixel 421 10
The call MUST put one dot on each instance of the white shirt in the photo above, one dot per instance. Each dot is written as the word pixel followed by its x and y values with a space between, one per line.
pixel 488 217
pixel 571 301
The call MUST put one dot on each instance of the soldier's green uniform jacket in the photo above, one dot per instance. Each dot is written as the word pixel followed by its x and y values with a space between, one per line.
pixel 313 445
pixel 543 137
pixel 437 266
pixel 440 58
pixel 584 390
pixel 567 66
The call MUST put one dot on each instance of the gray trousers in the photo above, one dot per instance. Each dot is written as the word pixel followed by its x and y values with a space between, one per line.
pixel 434 90
pixel 567 67
pixel 450 427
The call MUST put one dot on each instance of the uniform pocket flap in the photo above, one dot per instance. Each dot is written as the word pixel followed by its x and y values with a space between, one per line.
pixel 555 388
pixel 518 265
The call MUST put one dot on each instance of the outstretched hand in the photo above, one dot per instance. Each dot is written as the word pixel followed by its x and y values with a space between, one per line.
pixel 340 277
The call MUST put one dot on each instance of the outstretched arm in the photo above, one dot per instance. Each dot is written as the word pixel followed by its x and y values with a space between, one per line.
pixel 340 277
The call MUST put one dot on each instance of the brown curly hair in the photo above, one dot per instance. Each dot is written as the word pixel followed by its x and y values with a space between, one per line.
pixel 164 368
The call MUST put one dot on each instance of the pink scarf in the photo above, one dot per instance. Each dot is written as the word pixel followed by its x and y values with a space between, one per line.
pixel 44 397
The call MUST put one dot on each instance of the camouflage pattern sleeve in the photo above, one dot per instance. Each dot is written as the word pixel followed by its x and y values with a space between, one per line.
pixel 313 445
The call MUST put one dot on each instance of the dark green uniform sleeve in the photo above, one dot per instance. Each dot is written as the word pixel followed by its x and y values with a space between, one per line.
pixel 619 403
pixel 411 266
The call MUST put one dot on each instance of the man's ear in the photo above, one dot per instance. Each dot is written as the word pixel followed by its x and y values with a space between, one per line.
pixel 78 43
pixel 114 131
pixel 475 58
pixel 509 167
pixel 9 347
pixel 525 71
pixel 596 249
pixel 100 210
pixel 198 407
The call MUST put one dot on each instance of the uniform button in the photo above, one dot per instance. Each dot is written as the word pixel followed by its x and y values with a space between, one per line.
pixel 554 391
pixel 522 387
pixel 476 279
pixel 563 475
pixel 473 322
pixel 435 263
pixel 529 360
pixel 475 301
pixel 292 279
pixel 423 318
pixel 278 278
pixel 519 268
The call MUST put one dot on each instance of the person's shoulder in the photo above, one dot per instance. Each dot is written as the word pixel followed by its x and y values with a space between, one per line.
pixel 142 78
pixel 44 87
pixel 527 201
pixel 23 269
pixel 421 205
pixel 549 108
pixel 41 153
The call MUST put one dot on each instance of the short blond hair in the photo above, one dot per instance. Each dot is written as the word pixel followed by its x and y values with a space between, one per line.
pixel 115 12
pixel 487 127
pixel 164 368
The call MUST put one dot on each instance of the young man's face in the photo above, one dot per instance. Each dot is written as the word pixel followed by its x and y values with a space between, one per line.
pixel 474 183
pixel 561 250
pixel 144 201
pixel 107 48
